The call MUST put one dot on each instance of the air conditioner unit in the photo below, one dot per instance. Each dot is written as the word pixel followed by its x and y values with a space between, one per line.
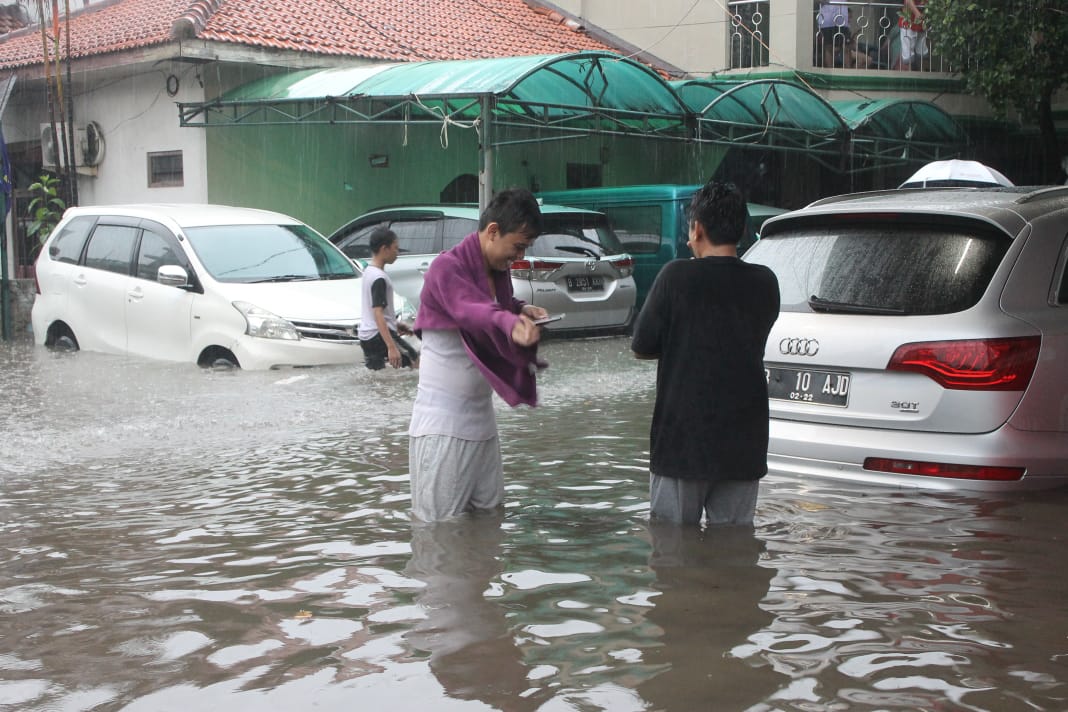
pixel 52 155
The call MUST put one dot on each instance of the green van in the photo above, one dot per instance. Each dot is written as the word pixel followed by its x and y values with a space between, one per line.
pixel 650 221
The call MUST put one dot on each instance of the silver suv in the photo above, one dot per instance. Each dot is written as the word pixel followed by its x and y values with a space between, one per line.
pixel 576 267
pixel 923 338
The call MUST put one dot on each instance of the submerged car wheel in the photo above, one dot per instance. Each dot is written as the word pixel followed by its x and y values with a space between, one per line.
pixel 217 358
pixel 61 338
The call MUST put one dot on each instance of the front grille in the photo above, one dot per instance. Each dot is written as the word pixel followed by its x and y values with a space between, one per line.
pixel 326 331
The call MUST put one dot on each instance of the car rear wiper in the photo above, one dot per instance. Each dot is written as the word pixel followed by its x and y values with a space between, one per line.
pixel 826 305
pixel 579 251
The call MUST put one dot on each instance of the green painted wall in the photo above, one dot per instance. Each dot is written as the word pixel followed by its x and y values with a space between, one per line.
pixel 322 174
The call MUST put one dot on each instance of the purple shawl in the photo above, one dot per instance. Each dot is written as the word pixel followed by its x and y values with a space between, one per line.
pixel 456 295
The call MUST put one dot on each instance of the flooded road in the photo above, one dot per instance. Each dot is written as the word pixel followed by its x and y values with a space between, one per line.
pixel 173 539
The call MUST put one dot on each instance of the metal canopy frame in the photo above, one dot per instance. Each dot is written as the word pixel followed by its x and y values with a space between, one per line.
pixel 619 97
pixel 510 100
pixel 897 132
pixel 770 114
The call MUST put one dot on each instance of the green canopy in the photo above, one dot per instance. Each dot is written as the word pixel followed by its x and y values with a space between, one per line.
pixel 771 113
pixel 541 98
pixel 901 130
pixel 582 91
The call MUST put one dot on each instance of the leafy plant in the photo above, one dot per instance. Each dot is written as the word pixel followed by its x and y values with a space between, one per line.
pixel 1011 52
pixel 46 208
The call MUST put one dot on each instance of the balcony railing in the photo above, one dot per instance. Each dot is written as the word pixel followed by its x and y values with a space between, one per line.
pixel 865 35
pixel 845 35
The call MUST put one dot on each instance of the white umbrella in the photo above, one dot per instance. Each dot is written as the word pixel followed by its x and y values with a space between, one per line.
pixel 954 173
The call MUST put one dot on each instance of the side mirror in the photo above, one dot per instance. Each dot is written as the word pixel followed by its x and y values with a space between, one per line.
pixel 173 276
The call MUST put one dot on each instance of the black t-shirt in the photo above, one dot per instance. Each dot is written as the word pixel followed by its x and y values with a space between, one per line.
pixel 708 320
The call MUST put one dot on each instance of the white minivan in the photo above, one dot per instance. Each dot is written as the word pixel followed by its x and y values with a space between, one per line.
pixel 209 284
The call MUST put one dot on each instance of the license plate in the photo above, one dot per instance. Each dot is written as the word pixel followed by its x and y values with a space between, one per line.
pixel 585 283
pixel 808 386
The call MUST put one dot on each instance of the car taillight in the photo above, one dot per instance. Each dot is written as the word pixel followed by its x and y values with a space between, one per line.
pixel 624 265
pixel 939 469
pixel 976 364
pixel 538 270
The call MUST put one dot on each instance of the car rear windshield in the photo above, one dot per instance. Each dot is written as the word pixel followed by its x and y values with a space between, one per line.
pixel 575 235
pixel 267 253
pixel 904 269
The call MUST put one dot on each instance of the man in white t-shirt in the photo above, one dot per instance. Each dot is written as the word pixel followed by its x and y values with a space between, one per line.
pixel 477 339
pixel 379 330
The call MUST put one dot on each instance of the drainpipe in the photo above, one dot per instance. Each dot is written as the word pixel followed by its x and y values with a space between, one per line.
pixel 486 154
pixel 5 283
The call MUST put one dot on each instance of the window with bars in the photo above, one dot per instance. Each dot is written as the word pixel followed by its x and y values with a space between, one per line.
pixel 165 169
pixel 749 33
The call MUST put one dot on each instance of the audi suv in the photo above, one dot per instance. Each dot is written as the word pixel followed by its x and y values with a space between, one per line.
pixel 922 338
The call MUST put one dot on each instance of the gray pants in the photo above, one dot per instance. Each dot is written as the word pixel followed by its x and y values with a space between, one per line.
pixel 731 502
pixel 451 476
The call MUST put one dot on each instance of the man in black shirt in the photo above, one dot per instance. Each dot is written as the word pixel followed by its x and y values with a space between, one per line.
pixel 707 320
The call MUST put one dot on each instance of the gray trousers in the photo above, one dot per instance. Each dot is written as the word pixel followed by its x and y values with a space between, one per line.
pixel 451 476
pixel 724 502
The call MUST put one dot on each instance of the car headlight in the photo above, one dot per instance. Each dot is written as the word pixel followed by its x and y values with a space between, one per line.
pixel 264 324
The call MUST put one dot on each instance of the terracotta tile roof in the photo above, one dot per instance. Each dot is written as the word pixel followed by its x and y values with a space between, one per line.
pixel 12 17
pixel 373 29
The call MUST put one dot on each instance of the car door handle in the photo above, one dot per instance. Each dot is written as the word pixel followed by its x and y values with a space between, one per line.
pixel 80 280
pixel 136 294
pixel 421 269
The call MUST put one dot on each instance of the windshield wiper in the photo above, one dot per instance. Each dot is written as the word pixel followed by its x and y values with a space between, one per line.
pixel 826 305
pixel 286 278
pixel 579 251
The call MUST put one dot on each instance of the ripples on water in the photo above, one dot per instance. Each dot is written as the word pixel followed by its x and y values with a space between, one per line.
pixel 178 539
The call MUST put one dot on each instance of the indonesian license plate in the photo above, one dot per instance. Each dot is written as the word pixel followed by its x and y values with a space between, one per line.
pixel 585 283
pixel 808 386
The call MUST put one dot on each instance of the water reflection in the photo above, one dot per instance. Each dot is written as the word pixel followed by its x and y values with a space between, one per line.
pixel 472 650
pixel 173 539
pixel 710 585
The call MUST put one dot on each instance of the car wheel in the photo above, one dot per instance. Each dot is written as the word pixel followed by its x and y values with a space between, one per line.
pixel 61 338
pixel 218 359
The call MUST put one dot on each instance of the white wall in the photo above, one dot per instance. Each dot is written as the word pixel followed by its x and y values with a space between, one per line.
pixel 138 116
pixel 694 35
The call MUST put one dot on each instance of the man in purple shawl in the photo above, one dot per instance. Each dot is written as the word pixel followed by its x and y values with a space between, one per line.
pixel 477 338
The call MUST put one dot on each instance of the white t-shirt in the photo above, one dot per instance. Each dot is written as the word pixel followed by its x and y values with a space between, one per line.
pixel 368 325
pixel 453 397
pixel 832 14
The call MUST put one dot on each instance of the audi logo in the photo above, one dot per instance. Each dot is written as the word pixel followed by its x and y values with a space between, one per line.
pixel 799 347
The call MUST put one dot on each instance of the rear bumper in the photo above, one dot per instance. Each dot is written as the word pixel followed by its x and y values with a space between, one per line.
pixel 815 450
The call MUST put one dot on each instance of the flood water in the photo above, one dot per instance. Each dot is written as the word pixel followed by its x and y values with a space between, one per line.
pixel 173 539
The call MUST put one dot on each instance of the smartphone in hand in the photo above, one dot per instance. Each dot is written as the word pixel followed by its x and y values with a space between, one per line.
pixel 549 319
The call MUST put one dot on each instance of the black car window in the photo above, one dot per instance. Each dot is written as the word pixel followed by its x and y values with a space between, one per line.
pixel 637 227
pixel 111 248
pixel 67 245
pixel 901 269
pixel 357 244
pixel 1062 291
pixel 416 237
pixel 454 230
pixel 155 251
